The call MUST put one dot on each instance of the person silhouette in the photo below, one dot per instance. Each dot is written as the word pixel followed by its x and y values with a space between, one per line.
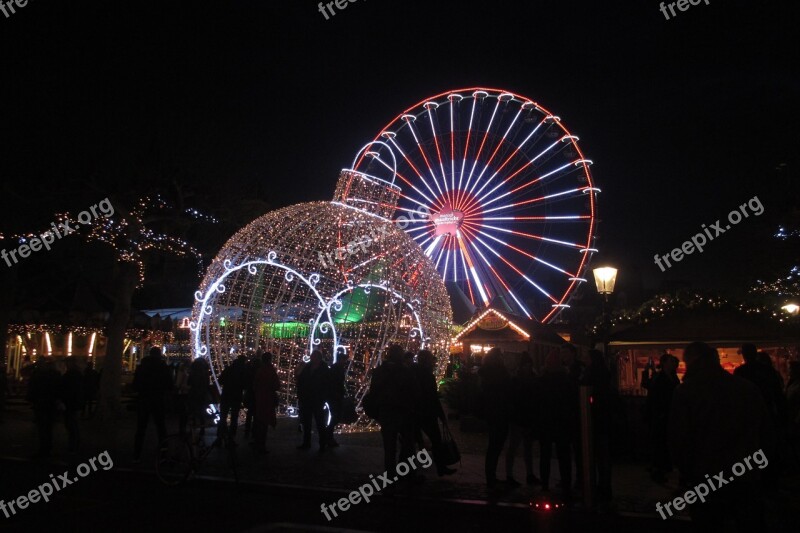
pixel 495 384
pixel 716 420
pixel 152 380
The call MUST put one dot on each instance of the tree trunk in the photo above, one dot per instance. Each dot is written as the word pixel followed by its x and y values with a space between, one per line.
pixel 8 284
pixel 125 280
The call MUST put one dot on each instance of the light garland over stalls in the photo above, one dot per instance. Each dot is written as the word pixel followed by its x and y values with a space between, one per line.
pixel 54 329
pixel 383 290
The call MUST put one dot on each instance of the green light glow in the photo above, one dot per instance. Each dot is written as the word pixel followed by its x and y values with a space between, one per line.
pixel 285 330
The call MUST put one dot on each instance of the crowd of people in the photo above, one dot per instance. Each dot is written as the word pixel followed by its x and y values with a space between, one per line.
pixel 702 424
pixel 522 407
pixel 249 383
pixel 713 420
pixel 403 399
pixel 61 391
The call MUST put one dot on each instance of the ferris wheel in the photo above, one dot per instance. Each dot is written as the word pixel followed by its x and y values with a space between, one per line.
pixel 497 192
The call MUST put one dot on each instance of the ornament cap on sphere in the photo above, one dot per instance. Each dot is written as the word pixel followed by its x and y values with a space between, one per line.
pixel 367 193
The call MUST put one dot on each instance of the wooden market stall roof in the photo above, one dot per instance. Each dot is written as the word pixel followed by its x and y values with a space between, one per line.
pixel 713 327
pixel 491 325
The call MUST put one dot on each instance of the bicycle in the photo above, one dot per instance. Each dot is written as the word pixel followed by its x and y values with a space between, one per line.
pixel 180 456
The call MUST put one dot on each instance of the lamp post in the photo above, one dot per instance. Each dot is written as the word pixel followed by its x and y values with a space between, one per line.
pixel 605 278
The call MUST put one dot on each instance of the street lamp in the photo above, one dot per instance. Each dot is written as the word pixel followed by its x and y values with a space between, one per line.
pixel 792 309
pixel 605 278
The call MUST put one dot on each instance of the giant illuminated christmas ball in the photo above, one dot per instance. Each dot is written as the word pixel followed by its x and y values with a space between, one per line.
pixel 337 276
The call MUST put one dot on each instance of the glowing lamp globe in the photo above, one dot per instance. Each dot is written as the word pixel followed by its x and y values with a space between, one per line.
pixel 336 276
pixel 791 308
pixel 605 278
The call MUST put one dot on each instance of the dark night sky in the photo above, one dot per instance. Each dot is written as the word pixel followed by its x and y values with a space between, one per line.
pixel 685 119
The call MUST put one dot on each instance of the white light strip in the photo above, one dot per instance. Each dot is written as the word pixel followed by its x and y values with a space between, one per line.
pixel 466 148
pixel 485 136
pixel 413 167
pixel 480 286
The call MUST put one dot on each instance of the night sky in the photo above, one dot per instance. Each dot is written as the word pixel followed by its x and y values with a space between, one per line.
pixel 685 119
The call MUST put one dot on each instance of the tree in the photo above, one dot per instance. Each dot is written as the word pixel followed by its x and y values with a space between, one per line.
pixel 134 234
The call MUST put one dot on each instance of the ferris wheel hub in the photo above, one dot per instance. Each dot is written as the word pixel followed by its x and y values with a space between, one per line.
pixel 447 221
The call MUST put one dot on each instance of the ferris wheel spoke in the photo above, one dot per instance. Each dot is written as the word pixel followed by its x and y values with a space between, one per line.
pixel 529 183
pixel 515 174
pixel 508 159
pixel 534 218
pixel 446 262
pixel 438 150
pixel 535 200
pixel 478 282
pixel 483 143
pixel 494 153
pixel 416 171
pixel 525 277
pixel 399 175
pixel 466 146
pixel 410 124
pixel 500 279
pixel 422 244
pixel 518 250
pixel 451 98
pixel 466 277
pixel 455 265
pixel 422 228
pixel 432 246
pixel 439 257
pixel 535 237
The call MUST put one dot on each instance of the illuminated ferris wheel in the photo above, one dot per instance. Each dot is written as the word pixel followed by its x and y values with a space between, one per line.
pixel 498 194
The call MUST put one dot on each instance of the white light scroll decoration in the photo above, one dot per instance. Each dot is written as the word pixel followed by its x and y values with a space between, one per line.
pixel 322 323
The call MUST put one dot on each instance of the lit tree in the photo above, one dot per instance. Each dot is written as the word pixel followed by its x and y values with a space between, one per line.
pixel 131 235
pixel 134 235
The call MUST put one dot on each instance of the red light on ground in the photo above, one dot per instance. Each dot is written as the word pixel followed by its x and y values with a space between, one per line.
pixel 545 506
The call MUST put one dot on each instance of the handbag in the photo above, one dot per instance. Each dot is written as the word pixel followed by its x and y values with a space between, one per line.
pixel 349 415
pixel 448 453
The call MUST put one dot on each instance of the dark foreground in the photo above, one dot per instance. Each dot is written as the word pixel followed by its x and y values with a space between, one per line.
pixel 285 490
pixel 124 500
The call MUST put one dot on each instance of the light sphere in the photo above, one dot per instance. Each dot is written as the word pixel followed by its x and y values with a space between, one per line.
pixel 336 276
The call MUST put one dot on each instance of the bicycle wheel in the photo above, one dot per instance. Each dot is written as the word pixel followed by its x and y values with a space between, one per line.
pixel 174 460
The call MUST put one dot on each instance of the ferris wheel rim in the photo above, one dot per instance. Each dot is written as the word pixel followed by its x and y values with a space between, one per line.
pixel 429 105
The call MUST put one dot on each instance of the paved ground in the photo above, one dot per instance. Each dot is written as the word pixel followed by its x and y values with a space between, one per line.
pixel 289 486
